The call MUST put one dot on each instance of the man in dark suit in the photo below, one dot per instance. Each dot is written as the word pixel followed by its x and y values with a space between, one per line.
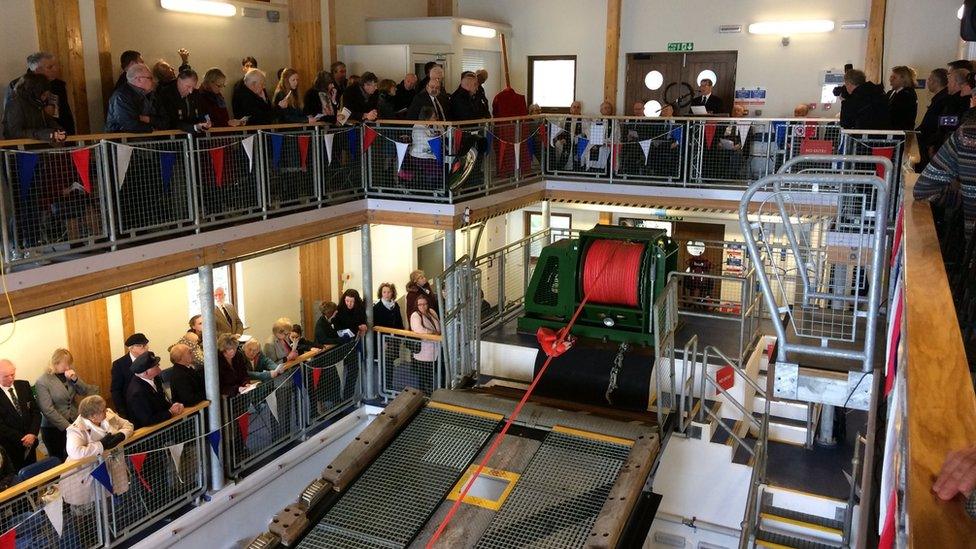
pixel 225 315
pixel 46 64
pixel 136 344
pixel 20 417
pixel 713 104
pixel 185 382
pixel 146 403
pixel 361 99
pixel 464 102
pixel 431 97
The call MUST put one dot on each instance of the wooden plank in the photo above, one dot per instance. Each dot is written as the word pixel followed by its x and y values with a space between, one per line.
pixel 440 8
pixel 332 31
pixel 59 32
pixel 606 218
pixel 315 278
pixel 499 208
pixel 612 52
pixel 875 47
pixel 340 268
pixel 941 402
pixel 411 219
pixel 128 314
pixel 407 333
pixel 305 39
pixel 357 456
pixel 106 71
pixel 88 340
pixel 613 517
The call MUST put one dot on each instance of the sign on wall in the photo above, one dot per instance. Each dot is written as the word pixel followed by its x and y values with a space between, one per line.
pixel 681 46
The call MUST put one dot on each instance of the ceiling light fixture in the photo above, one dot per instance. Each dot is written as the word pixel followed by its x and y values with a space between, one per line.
pixel 854 25
pixel 789 28
pixel 962 10
pixel 478 31
pixel 200 7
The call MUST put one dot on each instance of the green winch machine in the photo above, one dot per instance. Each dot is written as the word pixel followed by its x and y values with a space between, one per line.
pixel 557 284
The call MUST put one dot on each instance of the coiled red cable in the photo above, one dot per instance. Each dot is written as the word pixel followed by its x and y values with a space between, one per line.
pixel 611 270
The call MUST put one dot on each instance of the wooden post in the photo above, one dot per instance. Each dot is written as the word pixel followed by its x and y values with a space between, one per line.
pixel 105 71
pixel 87 329
pixel 875 50
pixel 59 32
pixel 315 272
pixel 305 39
pixel 332 31
pixel 613 51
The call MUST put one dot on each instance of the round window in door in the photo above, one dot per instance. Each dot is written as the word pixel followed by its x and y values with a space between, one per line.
pixel 652 108
pixel 695 248
pixel 709 74
pixel 654 80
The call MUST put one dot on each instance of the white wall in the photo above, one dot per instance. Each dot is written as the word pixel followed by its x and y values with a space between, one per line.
pixel 272 290
pixel 351 17
pixel 18 39
pixel 161 311
pixel 34 340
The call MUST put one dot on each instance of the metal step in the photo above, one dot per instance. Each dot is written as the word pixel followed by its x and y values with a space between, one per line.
pixel 790 431
pixel 788 409
pixel 804 520
pixel 776 541
pixel 722 436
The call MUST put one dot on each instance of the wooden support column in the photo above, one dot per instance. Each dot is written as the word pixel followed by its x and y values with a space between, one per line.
pixel 606 218
pixel 88 341
pixel 875 50
pixel 613 52
pixel 128 316
pixel 332 31
pixel 106 72
pixel 59 32
pixel 315 275
pixel 440 8
pixel 305 38
pixel 340 267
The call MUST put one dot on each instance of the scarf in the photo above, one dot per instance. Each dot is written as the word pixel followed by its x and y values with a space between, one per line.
pixel 98 431
pixel 388 304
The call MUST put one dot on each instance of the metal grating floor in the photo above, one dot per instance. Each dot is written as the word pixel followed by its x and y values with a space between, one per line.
pixel 559 496
pixel 395 496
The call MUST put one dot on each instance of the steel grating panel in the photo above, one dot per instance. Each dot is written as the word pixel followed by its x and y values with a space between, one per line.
pixel 396 495
pixel 559 496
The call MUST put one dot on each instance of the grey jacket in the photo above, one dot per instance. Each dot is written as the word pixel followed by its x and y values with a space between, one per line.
pixel 57 400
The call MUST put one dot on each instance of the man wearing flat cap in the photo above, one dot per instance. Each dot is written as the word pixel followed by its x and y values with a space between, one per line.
pixel 146 403
pixel 136 344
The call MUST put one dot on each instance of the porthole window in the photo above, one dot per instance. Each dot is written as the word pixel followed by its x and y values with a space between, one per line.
pixel 695 248
pixel 652 108
pixel 654 80
pixel 709 74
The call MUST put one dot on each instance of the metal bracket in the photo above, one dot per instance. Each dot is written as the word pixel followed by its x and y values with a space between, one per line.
pixel 845 389
pixel 785 382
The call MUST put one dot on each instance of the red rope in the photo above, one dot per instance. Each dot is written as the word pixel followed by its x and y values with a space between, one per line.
pixel 616 245
pixel 618 286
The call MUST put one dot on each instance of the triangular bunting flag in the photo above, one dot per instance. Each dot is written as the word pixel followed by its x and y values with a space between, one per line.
pixel 81 158
pixel 166 161
pixel 645 146
pixel 616 156
pixel 297 379
pixel 328 145
pixel 401 149
pixel 123 154
pixel 213 438
pixel 248 145
pixel 303 141
pixel 138 460
pixel 677 133
pixel 244 423
pixel 352 136
pixel 369 135
pixel 779 133
pixel 518 150
pixel 26 165
pixel 435 149
pixel 316 374
pixel 458 136
pixel 554 131
pixel 100 474
pixel 276 141
pixel 217 160
pixel 54 510
pixel 272 401
pixel 9 539
pixel 176 452
pixel 887 152
pixel 530 143
pixel 581 146
pixel 710 134
pixel 489 138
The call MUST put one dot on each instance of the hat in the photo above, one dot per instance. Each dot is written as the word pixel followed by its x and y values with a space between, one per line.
pixel 144 362
pixel 136 339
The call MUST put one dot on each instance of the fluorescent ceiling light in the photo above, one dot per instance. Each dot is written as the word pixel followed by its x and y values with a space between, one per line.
pixel 962 10
pixel 478 32
pixel 789 28
pixel 849 25
pixel 201 7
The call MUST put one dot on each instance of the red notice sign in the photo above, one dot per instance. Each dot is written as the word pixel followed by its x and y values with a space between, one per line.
pixel 817 146
pixel 725 378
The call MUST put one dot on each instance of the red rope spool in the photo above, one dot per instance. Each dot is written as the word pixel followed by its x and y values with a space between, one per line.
pixel 611 271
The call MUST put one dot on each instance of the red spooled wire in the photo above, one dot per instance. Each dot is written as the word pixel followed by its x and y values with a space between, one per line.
pixel 610 272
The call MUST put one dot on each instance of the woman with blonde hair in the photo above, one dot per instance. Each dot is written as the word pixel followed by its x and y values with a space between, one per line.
pixel 95 431
pixel 279 346
pixel 57 391
pixel 902 99
pixel 288 99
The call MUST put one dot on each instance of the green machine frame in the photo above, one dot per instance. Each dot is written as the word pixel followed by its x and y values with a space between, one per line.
pixel 556 287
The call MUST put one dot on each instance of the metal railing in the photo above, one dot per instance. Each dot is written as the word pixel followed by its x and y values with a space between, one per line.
pixel 407 359
pixel 460 284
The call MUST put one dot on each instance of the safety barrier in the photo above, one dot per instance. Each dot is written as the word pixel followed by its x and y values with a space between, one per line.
pixel 460 284
pixel 409 359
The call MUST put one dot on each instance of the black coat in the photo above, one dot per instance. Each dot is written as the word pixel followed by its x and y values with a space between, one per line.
pixel 145 406
pixel 25 119
pixel 181 113
pixel 121 374
pixel 388 318
pixel 422 100
pixel 865 109
pixel 125 107
pixel 465 106
pixel 260 110
pixel 386 105
pixel 15 424
pixel 186 385
pixel 325 332
pixel 404 97
pixel 232 374
pixel 714 105
pixel 65 119
pixel 236 97
pixel 349 319
pixel 903 108
pixel 358 103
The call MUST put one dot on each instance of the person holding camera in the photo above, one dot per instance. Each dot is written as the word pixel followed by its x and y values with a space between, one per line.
pixel 866 106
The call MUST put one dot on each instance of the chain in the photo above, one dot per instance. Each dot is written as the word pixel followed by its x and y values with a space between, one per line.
pixel 618 364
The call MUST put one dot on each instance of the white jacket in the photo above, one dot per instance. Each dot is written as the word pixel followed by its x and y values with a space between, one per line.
pixel 83 441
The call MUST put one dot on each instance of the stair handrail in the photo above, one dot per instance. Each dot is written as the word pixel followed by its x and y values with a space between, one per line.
pixel 688 373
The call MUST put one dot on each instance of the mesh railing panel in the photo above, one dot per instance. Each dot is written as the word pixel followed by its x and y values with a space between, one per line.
pixel 409 362
pixel 153 189
pixel 557 499
pixel 419 173
pixel 650 150
pixel 332 382
pixel 290 163
pixel 55 199
pixel 236 192
pixel 159 486
pixel 395 496
pixel 341 151
pixel 80 513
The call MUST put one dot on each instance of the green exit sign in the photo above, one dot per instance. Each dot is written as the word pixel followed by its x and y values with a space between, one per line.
pixel 681 46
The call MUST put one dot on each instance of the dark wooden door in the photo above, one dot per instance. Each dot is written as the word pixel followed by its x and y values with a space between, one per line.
pixel 677 67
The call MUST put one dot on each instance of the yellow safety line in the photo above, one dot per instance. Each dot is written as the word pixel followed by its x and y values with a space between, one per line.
pixel 593 436
pixel 774 487
pixel 464 410
pixel 797 522
pixel 492 505
pixel 771 545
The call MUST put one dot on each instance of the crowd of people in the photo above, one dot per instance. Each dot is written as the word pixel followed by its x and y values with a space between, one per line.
pixel 50 411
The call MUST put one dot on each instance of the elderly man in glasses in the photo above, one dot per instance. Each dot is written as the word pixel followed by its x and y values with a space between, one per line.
pixel 132 108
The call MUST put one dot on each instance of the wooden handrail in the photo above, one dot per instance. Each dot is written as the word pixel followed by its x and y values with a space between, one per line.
pixel 61 470
pixel 306 356
pixel 940 398
pixel 407 333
